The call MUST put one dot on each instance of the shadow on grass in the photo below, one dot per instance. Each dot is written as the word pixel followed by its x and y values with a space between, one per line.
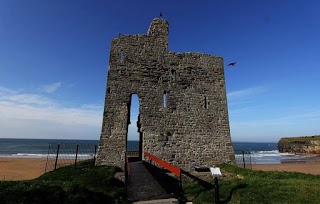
pixel 207 186
pixel 228 199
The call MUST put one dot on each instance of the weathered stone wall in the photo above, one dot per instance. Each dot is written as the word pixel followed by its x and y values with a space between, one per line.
pixel 193 129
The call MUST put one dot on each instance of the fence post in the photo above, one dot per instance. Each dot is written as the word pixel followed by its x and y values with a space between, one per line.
pixel 216 190
pixel 45 170
pixel 244 162
pixel 55 164
pixel 94 156
pixel 75 161
pixel 250 160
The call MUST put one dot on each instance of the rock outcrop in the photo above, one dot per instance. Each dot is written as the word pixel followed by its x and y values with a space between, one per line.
pixel 307 145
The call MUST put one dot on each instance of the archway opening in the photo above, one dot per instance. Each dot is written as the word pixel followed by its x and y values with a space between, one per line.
pixel 134 136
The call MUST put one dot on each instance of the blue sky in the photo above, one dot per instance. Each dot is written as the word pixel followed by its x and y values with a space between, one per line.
pixel 54 61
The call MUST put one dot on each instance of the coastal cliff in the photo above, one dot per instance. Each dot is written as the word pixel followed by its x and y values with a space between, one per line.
pixel 307 145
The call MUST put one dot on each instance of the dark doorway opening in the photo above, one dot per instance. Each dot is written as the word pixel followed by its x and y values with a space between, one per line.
pixel 134 135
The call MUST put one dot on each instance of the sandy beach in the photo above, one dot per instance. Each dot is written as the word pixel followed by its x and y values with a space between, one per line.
pixel 307 168
pixel 16 169
pixel 307 165
pixel 13 169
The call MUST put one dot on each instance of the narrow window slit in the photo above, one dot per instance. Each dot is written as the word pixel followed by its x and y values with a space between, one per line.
pixel 121 56
pixel 206 102
pixel 173 74
pixel 188 107
pixel 164 99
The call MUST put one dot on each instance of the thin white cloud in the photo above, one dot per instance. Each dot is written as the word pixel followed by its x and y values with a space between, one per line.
pixel 245 100
pixel 239 110
pixel 4 91
pixel 91 107
pixel 15 97
pixel 251 117
pixel 133 131
pixel 248 92
pixel 309 114
pixel 263 123
pixel 64 116
pixel 250 108
pixel 31 99
pixel 37 114
pixel 50 88
pixel 290 119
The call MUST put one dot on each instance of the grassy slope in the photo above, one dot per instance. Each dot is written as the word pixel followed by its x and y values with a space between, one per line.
pixel 86 184
pixel 302 138
pixel 248 186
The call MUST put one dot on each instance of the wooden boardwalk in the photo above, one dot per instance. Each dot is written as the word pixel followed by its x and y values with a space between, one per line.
pixel 143 184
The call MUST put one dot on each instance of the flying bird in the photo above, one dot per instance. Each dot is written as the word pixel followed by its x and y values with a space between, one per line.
pixel 232 64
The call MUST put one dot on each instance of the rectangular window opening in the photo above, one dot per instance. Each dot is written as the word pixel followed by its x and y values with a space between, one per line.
pixel 206 102
pixel 121 56
pixel 164 99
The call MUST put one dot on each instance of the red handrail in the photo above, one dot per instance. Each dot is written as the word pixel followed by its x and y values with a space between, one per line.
pixel 170 167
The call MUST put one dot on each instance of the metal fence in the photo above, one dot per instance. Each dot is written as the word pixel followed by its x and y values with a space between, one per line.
pixel 63 154
pixel 244 160
pixel 133 149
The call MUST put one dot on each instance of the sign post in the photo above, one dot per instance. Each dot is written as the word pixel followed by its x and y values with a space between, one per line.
pixel 215 171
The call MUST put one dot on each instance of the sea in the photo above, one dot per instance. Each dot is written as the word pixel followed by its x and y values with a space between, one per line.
pixel 248 152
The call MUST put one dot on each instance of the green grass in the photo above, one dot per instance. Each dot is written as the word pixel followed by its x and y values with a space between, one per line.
pixel 302 138
pixel 88 184
pixel 85 184
pixel 248 186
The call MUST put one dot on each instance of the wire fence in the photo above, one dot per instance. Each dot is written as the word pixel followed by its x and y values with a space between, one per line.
pixel 244 160
pixel 63 154
pixel 133 149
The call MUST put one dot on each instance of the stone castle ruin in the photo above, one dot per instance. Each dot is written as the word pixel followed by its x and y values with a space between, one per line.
pixel 183 107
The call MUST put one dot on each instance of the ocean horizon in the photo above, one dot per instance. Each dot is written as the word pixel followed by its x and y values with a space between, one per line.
pixel 255 152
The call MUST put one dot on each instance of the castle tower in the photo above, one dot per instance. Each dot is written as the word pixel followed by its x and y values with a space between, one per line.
pixel 191 127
